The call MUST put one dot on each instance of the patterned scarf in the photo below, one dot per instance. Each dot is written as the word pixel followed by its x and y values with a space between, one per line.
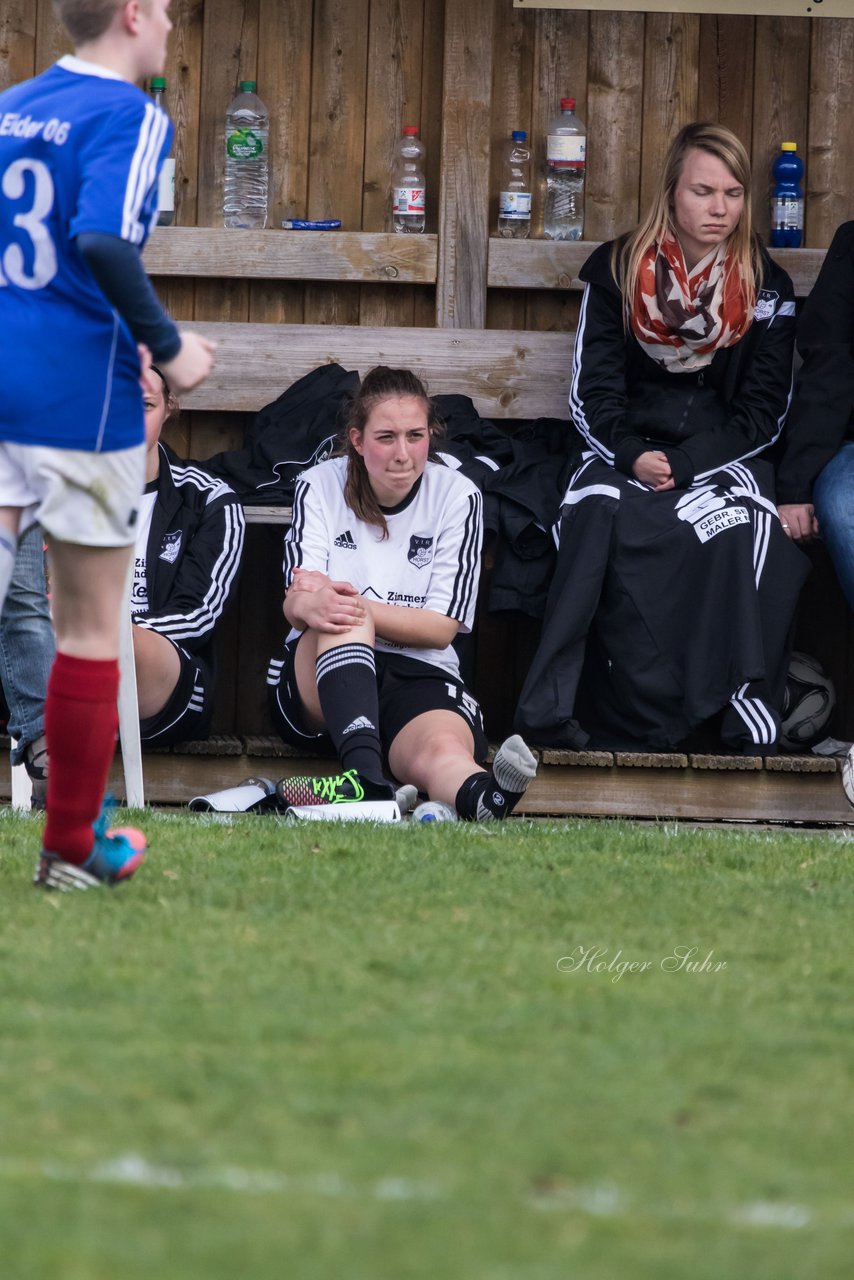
pixel 680 317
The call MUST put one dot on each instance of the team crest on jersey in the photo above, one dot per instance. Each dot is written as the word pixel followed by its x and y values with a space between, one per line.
pixel 766 301
pixel 420 551
pixel 170 547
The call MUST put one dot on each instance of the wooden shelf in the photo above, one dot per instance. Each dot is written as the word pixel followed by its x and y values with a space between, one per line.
pixel 555 264
pixel 803 265
pixel 537 264
pixel 385 258
pixel 358 256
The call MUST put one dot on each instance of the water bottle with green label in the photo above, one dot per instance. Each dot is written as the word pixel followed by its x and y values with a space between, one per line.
pixel 247 135
pixel 166 180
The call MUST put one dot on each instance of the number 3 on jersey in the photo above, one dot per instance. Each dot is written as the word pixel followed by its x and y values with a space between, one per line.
pixel 32 221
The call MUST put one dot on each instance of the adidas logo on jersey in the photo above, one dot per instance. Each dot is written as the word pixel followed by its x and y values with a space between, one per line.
pixel 362 722
pixel 346 541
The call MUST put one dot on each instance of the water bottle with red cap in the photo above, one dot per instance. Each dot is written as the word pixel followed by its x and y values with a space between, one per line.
pixel 409 201
pixel 566 155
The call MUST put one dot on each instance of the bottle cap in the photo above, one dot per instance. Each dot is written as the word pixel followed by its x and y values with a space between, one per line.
pixel 519 135
pixel 788 146
pixel 248 86
pixel 158 82
pixel 410 131
pixel 567 104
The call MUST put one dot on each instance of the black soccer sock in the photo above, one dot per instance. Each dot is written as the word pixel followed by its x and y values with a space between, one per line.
pixel 469 800
pixel 484 797
pixel 347 689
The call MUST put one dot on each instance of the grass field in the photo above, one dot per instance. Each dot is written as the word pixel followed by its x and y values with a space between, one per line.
pixel 336 1052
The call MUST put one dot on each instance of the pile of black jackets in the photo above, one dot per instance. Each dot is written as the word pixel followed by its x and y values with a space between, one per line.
pixel 522 470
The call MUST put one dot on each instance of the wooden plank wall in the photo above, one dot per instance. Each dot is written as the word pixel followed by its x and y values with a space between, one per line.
pixel 342 77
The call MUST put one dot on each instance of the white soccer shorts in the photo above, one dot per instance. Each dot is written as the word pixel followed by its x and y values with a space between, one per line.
pixel 90 499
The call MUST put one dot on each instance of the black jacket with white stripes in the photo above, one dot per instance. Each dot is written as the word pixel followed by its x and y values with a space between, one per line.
pixel 624 403
pixel 193 554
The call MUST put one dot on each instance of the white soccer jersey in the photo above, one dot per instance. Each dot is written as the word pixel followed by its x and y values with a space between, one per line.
pixel 430 559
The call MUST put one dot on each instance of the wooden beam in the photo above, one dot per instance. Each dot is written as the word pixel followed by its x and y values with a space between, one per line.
pixel 803 265
pixel 561 791
pixel 507 373
pixel 773 8
pixel 614 123
pixel 368 257
pixel 781 84
pixel 537 264
pixel 554 264
pixel 17 42
pixel 693 794
pixel 464 197
pixel 292 255
pixel 670 75
pixel 828 160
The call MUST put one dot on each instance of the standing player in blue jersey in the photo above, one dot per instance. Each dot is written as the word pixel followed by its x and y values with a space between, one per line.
pixel 80 151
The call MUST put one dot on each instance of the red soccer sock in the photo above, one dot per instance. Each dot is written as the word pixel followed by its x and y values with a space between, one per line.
pixel 81 722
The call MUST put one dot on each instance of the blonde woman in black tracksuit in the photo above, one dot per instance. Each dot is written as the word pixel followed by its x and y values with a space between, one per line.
pixel 675 584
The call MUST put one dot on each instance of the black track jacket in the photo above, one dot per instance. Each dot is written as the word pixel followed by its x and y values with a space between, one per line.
pixel 821 415
pixel 193 554
pixel 623 403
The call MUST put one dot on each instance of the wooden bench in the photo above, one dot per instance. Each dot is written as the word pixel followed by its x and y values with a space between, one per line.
pixel 508 374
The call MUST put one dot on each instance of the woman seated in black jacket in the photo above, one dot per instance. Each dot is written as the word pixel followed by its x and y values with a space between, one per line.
pixel 188 550
pixel 675 584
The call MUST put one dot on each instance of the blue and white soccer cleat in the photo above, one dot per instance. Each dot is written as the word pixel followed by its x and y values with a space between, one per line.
pixel 115 856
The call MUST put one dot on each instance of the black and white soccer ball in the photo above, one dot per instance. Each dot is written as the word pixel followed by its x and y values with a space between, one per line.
pixel 808 702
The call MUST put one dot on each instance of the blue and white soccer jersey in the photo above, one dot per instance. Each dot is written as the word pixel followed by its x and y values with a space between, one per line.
pixel 80 151
pixel 430 559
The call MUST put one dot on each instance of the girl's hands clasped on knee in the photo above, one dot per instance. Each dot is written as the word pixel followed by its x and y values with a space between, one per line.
pixel 315 601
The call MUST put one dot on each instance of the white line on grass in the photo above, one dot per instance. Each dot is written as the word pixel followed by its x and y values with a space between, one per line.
pixel 600 1199
pixel 765 1213
pixel 605 1200
pixel 134 1170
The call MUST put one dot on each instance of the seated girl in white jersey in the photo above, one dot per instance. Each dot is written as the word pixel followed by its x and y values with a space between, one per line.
pixel 381 573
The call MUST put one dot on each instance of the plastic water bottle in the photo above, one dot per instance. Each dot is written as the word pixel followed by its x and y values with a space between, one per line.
pixel 408 183
pixel 514 199
pixel 787 202
pixel 566 150
pixel 247 135
pixel 166 181
pixel 433 811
